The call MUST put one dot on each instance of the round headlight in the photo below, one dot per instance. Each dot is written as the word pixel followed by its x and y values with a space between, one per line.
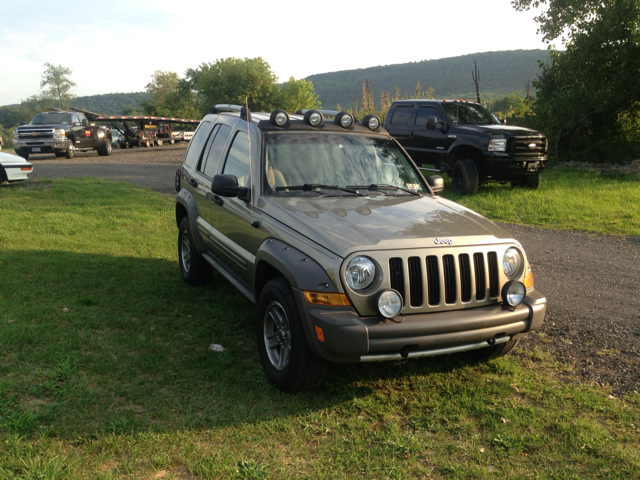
pixel 360 273
pixel 374 123
pixel 512 263
pixel 389 303
pixel 513 293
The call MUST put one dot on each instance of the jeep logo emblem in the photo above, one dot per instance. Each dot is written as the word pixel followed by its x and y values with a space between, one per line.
pixel 441 241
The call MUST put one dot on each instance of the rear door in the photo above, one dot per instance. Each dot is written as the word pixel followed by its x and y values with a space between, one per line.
pixel 430 146
pixel 400 126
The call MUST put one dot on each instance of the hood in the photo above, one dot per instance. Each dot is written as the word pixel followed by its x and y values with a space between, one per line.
pixel 347 224
pixel 506 130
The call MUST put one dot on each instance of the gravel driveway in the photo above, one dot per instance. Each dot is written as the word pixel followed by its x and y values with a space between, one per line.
pixel 591 281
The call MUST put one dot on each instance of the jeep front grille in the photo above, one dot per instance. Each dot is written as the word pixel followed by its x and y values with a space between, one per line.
pixel 445 280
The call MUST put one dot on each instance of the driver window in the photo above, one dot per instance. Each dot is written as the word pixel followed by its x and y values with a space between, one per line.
pixel 74 119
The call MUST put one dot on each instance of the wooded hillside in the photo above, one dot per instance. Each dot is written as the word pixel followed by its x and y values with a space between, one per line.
pixel 500 74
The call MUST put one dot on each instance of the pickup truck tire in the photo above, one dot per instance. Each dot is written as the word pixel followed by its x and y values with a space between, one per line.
pixel 284 352
pixel 172 141
pixel 146 144
pixel 59 154
pixel 465 178
pixel 71 149
pixel 195 270
pixel 530 181
pixel 106 149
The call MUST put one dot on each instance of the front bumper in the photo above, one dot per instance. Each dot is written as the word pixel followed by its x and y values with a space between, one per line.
pixel 46 145
pixel 501 166
pixel 351 338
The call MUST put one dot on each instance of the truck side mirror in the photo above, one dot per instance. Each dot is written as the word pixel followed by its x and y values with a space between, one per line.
pixel 433 124
pixel 227 186
pixel 436 183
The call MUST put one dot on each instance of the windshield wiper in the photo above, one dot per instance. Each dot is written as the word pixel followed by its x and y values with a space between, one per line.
pixel 309 187
pixel 383 186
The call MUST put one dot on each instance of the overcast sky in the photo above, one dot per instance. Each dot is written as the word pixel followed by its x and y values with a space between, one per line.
pixel 115 46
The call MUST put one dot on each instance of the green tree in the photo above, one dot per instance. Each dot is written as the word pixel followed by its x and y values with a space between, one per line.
pixel 233 80
pixel 298 95
pixel 34 104
pixel 56 84
pixel 587 94
pixel 161 84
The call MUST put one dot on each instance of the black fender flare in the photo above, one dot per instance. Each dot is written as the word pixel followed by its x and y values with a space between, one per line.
pixel 300 270
pixel 186 206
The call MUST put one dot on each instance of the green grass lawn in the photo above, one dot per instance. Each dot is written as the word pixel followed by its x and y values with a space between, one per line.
pixel 106 372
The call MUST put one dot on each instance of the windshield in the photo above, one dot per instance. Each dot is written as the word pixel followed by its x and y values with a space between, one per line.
pixel 298 159
pixel 469 114
pixel 50 119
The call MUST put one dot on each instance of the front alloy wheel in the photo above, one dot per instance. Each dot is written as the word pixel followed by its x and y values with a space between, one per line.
pixel 277 336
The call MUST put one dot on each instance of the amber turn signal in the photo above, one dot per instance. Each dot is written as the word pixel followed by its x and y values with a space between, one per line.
pixel 528 280
pixel 319 333
pixel 329 299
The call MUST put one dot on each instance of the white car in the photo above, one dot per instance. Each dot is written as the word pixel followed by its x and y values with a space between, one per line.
pixel 14 168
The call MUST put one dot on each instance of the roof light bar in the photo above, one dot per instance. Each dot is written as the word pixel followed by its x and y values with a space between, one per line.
pixel 313 118
pixel 344 119
pixel 280 118
pixel 371 121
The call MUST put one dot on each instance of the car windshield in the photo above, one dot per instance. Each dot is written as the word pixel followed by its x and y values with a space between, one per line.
pixel 469 114
pixel 50 119
pixel 322 160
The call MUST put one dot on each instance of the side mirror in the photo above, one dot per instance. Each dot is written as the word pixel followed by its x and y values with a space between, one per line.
pixel 434 124
pixel 436 183
pixel 227 186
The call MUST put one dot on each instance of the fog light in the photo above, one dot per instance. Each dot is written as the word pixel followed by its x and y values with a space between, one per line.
pixel 345 119
pixel 280 118
pixel 389 303
pixel 371 121
pixel 513 293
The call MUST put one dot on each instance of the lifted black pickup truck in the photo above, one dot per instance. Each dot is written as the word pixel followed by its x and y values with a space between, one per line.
pixel 62 133
pixel 465 140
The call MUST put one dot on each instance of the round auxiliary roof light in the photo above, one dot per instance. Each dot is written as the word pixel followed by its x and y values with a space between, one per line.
pixel 313 118
pixel 371 121
pixel 389 303
pixel 280 118
pixel 513 293
pixel 344 119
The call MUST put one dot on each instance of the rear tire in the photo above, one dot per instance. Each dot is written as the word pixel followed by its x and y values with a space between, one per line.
pixel 530 181
pixel 465 178
pixel 106 149
pixel 284 352
pixel 195 270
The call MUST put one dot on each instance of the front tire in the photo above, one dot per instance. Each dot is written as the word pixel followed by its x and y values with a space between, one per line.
pixel 195 270
pixel 71 150
pixel 465 178
pixel 284 352
pixel 106 149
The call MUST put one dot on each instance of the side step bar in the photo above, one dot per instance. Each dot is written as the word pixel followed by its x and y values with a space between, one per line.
pixel 383 357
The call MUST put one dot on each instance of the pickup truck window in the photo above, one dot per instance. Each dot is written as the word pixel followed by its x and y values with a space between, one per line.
pixel 214 155
pixel 471 114
pixel 50 119
pixel 402 115
pixel 424 113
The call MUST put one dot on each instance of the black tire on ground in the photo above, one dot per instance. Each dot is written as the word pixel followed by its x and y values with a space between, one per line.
pixel 70 151
pixel 3 175
pixel 530 181
pixel 59 154
pixel 146 144
pixel 284 352
pixel 195 270
pixel 106 149
pixel 159 143
pixel 495 351
pixel 465 178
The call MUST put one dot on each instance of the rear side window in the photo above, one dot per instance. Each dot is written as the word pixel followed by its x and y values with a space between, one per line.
pixel 424 113
pixel 238 159
pixel 195 144
pixel 402 115
pixel 210 164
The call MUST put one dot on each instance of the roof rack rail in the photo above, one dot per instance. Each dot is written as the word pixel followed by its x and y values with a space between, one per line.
pixel 326 113
pixel 245 113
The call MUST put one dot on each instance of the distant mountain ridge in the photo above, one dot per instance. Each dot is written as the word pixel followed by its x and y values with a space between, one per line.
pixel 110 103
pixel 500 74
